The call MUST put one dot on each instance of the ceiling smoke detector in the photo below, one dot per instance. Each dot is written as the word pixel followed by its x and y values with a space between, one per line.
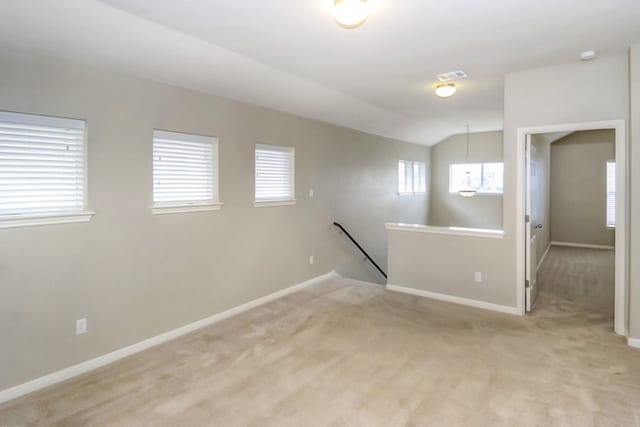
pixel 588 55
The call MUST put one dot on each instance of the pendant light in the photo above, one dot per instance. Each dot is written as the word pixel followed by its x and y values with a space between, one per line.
pixel 467 190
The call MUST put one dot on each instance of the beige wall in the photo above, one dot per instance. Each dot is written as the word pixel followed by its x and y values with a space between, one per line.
pixel 134 275
pixel 541 203
pixel 481 211
pixel 445 264
pixel 578 187
pixel 634 303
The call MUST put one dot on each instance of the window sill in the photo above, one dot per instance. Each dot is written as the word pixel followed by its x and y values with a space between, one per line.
pixel 271 203
pixel 162 210
pixel 11 221
pixel 455 194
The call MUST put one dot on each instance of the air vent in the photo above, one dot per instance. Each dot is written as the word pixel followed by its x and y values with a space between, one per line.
pixel 453 75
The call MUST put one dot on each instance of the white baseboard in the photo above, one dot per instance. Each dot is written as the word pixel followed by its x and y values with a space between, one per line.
pixel 90 365
pixel 583 245
pixel 544 255
pixel 633 342
pixel 456 300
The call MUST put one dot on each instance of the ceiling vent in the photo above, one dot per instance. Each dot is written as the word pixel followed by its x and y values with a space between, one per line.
pixel 453 75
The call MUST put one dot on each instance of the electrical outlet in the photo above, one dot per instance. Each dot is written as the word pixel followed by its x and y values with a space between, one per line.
pixel 311 193
pixel 477 277
pixel 311 260
pixel 81 326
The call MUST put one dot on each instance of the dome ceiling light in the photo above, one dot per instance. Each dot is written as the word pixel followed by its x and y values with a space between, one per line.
pixel 350 13
pixel 445 90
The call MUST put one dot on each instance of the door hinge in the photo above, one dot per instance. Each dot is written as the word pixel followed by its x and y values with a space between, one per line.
pixel 527 219
pixel 526 284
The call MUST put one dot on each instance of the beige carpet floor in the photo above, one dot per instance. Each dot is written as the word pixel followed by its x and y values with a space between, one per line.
pixel 349 354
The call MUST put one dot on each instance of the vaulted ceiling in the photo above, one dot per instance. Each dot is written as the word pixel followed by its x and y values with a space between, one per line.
pixel 292 56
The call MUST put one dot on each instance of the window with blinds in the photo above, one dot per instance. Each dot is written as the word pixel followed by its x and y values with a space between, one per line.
pixel 412 177
pixel 185 170
pixel 274 173
pixel 405 177
pixel 42 165
pixel 611 193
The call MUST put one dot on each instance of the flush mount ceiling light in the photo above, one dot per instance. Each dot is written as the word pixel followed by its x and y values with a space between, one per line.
pixel 445 90
pixel 350 13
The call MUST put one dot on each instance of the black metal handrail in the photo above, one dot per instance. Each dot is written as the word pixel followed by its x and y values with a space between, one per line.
pixel 361 250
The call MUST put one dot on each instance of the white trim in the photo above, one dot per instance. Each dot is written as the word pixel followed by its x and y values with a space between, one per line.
pixel 12 221
pixel 455 231
pixel 456 300
pixel 583 245
pixel 621 255
pixel 90 365
pixel 544 255
pixel 271 203
pixel 161 210
pixel 633 342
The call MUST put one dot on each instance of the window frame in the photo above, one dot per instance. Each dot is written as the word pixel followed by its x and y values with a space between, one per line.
pixel 84 214
pixel 482 177
pixel 214 203
pixel 610 225
pixel 291 198
pixel 410 165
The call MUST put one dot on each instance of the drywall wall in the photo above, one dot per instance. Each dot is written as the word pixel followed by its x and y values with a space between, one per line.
pixel 541 197
pixel 579 187
pixel 634 265
pixel 446 209
pixel 444 274
pixel 596 90
pixel 134 275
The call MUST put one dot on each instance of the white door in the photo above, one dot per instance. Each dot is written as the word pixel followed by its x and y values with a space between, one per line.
pixel 531 226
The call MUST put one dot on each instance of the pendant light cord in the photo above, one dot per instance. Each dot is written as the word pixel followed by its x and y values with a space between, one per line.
pixel 467 143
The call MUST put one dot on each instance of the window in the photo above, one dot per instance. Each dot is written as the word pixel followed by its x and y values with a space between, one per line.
pixel 42 170
pixel 411 177
pixel 274 175
pixel 185 172
pixel 405 177
pixel 485 178
pixel 611 193
pixel 419 177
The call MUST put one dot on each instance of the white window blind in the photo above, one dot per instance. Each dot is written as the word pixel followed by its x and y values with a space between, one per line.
pixel 42 165
pixel 185 169
pixel 274 173
pixel 611 193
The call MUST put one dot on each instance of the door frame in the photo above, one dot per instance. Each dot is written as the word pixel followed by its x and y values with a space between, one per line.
pixel 622 195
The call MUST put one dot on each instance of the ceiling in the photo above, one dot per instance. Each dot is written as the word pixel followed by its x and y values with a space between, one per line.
pixel 291 55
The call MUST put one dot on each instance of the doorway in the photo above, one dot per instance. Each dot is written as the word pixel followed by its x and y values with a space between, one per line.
pixel 530 225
